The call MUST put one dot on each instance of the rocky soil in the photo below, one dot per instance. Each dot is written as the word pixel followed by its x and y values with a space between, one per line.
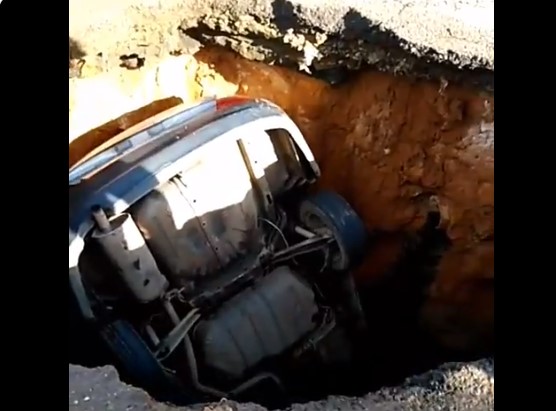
pixel 451 387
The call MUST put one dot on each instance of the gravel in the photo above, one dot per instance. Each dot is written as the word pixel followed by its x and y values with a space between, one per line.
pixel 453 386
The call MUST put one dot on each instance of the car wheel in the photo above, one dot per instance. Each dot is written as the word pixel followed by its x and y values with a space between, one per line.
pixel 331 211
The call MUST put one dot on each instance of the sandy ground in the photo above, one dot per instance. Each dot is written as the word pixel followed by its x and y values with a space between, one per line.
pixel 451 387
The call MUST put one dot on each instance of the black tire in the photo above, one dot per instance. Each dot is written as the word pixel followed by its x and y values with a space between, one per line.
pixel 140 364
pixel 330 210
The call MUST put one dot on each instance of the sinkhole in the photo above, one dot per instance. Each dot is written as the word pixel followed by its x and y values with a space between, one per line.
pixel 414 158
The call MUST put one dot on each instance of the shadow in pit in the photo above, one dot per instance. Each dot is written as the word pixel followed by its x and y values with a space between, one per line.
pixel 400 345
pixel 286 15
pixel 371 38
pixel 355 28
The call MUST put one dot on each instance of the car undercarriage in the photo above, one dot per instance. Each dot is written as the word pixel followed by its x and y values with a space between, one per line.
pixel 205 261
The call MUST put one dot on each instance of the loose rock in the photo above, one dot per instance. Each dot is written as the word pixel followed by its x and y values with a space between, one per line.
pixel 456 386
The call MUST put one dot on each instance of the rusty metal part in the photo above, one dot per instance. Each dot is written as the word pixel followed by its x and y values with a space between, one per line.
pixel 125 247
pixel 178 333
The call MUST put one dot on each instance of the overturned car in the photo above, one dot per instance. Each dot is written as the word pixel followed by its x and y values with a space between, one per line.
pixel 199 256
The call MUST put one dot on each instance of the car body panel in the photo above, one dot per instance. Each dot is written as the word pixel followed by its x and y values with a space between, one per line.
pixel 162 147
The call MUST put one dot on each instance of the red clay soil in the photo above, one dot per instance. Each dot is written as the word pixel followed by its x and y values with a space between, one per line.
pixel 396 149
